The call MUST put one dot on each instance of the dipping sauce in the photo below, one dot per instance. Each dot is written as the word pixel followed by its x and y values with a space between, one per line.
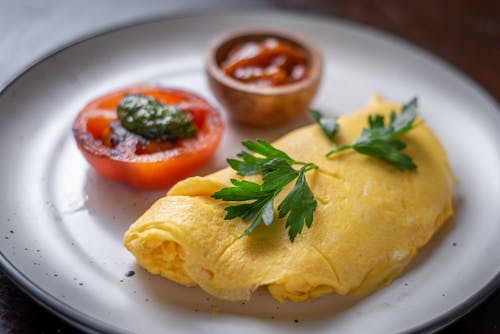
pixel 270 62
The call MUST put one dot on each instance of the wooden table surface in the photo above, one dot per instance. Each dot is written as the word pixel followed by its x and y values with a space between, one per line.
pixel 466 33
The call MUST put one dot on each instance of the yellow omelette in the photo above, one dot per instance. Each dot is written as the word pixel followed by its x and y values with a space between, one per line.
pixel 370 221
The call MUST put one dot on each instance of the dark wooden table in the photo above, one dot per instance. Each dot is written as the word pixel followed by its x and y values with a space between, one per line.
pixel 466 33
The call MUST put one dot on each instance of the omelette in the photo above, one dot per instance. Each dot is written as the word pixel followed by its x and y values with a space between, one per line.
pixel 370 220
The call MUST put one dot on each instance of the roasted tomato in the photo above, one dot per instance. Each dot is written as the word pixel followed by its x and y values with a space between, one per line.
pixel 122 155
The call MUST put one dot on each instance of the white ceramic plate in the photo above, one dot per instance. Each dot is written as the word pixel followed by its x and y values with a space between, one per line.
pixel 62 224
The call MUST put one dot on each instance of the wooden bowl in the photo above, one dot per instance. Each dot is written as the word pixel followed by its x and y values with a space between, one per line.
pixel 261 106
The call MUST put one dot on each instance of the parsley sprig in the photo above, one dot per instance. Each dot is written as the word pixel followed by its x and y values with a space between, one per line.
pixel 278 171
pixel 383 141
pixel 329 125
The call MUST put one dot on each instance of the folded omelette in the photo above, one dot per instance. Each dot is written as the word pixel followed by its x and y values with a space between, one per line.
pixel 370 221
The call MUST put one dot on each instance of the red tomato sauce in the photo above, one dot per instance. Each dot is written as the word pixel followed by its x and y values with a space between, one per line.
pixel 271 62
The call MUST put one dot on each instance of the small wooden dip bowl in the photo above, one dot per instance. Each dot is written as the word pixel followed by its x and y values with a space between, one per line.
pixel 255 105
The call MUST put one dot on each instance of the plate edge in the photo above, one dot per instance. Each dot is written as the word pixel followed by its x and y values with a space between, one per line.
pixel 57 307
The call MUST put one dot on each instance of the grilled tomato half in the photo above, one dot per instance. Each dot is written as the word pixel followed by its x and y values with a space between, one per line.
pixel 149 137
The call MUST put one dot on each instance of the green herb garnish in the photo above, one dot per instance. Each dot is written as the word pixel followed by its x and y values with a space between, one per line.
pixel 383 141
pixel 154 120
pixel 329 125
pixel 277 170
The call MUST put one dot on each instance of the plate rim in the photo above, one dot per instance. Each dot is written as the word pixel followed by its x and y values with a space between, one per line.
pixel 90 324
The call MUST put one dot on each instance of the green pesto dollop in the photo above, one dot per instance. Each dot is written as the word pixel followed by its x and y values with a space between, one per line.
pixel 153 119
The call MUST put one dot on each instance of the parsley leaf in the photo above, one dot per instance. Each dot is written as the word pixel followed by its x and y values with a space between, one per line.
pixel 300 205
pixel 266 149
pixel 250 164
pixel 261 209
pixel 328 125
pixel 277 170
pixel 278 173
pixel 382 141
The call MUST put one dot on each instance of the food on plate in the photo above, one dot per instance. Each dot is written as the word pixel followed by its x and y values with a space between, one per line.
pixel 149 137
pixel 270 62
pixel 384 141
pixel 278 170
pixel 370 220
pixel 263 77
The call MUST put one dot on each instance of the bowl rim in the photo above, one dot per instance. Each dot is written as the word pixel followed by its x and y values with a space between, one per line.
pixel 213 69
